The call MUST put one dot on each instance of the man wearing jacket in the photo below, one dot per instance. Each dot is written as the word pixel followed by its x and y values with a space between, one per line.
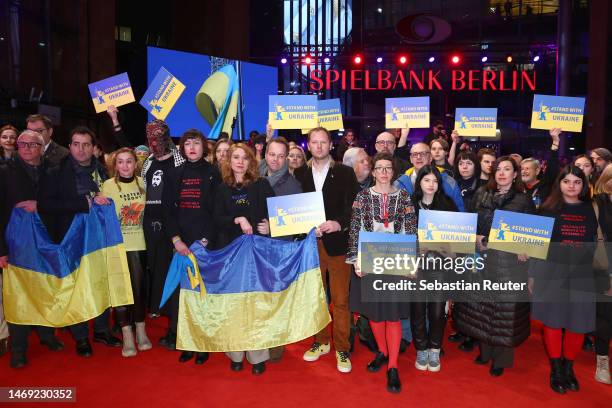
pixel 72 189
pixel 420 156
pixel 339 187
pixel 19 185
pixel 53 153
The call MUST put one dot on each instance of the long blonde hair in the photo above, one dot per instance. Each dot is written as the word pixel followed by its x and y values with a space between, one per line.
pixel 113 166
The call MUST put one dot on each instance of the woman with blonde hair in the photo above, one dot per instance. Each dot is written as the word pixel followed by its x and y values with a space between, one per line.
pixel 241 208
pixel 603 319
pixel 126 189
pixel 220 151
pixel 296 158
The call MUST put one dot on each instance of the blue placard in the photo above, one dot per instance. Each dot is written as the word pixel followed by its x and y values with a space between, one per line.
pixel 115 91
pixel 481 122
pixel 162 94
pixel 564 112
pixel 401 113
pixel 293 111
pixel 378 250
pixel 519 233
pixel 296 213
pixel 447 230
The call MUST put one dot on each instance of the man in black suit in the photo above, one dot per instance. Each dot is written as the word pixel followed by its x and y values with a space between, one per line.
pixel 53 153
pixel 19 182
pixel 339 186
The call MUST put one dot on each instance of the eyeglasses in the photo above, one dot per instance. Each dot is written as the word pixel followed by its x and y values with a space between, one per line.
pixel 385 142
pixel 29 145
pixel 416 155
pixel 384 169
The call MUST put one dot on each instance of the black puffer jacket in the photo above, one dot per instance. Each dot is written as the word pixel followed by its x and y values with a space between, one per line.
pixel 498 319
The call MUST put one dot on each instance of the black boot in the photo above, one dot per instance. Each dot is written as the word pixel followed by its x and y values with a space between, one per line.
pixel 375 364
pixel 186 356
pixel 467 345
pixel 393 381
pixel 570 381
pixel 556 375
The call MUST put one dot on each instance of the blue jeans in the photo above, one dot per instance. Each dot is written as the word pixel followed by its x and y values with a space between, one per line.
pixel 406 330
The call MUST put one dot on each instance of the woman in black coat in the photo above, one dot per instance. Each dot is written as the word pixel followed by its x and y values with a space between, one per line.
pixel 499 325
pixel 241 208
pixel 187 209
pixel 563 285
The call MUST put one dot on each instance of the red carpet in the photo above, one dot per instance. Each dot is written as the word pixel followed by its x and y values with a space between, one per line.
pixel 156 379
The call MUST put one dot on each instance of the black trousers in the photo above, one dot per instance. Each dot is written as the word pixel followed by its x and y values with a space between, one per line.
pixel 603 328
pixel 127 315
pixel 80 331
pixel 159 256
pixel 502 357
pixel 433 312
pixel 20 333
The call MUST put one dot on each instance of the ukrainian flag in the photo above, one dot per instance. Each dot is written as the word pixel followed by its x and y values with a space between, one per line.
pixel 60 285
pixel 256 293
pixel 217 100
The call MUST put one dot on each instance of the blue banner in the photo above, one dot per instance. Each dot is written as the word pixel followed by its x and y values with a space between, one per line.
pixel 562 112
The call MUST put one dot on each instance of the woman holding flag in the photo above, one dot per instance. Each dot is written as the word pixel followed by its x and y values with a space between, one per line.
pixel 241 208
pixel 381 208
pixel 187 207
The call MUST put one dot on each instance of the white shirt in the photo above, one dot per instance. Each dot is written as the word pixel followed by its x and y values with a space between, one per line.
pixel 46 147
pixel 319 176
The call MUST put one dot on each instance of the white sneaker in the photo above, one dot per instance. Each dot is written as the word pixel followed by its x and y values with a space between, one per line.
pixel 315 351
pixel 602 374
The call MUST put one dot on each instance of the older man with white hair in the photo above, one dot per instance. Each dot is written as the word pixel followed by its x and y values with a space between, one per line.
pixel 19 186
pixel 359 161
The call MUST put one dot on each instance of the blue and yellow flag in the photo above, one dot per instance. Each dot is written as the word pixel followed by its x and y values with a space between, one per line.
pixel 55 285
pixel 254 294
pixel 217 101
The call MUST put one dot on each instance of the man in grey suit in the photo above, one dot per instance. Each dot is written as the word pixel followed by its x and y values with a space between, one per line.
pixel 53 153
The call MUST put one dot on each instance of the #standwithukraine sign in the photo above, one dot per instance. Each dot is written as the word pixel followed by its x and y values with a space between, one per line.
pixel 330 115
pixel 481 122
pixel 293 111
pixel 162 94
pixel 403 113
pixel 115 91
pixel 562 112
pixel 521 233
pixel 447 230
pixel 296 213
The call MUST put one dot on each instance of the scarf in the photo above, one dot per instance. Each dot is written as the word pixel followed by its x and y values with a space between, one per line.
pixel 88 178
pixel 274 177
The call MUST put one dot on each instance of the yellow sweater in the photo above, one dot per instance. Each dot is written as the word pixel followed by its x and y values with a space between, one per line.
pixel 129 205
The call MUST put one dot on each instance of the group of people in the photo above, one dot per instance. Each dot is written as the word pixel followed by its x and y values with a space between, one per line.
pixel 214 192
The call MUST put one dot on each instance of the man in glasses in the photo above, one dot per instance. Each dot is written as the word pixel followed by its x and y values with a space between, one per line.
pixel 19 186
pixel 420 156
pixel 53 153
pixel 386 143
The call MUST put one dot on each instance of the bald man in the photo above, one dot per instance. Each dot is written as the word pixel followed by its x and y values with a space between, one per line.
pixel 420 156
pixel 386 143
